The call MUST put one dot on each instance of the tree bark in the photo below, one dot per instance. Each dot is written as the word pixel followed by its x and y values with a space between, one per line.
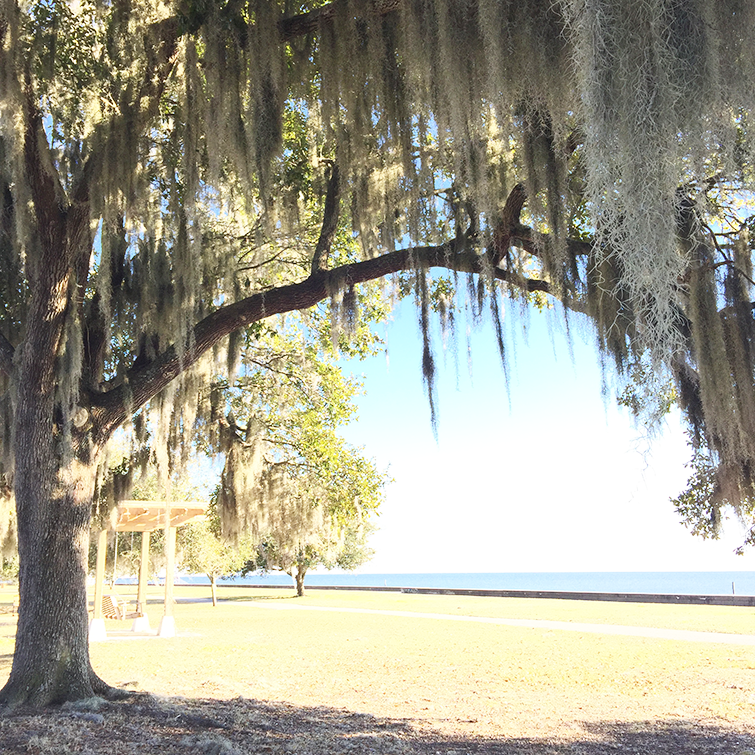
pixel 51 657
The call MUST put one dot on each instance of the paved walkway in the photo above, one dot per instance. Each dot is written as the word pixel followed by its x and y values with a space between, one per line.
pixel 684 635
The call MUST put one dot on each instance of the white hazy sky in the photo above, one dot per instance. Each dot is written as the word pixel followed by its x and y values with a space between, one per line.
pixel 547 477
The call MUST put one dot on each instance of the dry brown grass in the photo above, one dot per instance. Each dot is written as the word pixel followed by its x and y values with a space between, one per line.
pixel 252 678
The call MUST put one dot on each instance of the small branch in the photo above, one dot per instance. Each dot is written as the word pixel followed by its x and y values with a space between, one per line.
pixel 509 222
pixel 329 221
pixel 730 264
pixel 714 239
pixel 263 263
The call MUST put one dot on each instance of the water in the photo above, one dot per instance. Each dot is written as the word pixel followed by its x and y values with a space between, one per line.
pixel 675 583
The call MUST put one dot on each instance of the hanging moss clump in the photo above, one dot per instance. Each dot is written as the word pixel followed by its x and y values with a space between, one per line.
pixel 579 149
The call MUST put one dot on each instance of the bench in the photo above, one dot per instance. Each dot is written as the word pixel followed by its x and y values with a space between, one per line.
pixel 115 608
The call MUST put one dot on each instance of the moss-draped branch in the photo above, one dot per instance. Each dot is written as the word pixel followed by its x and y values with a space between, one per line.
pixel 111 408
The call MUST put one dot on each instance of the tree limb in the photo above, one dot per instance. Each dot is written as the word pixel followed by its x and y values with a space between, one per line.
pixel 508 223
pixel 112 407
pixel 306 23
pixel 44 182
pixel 524 238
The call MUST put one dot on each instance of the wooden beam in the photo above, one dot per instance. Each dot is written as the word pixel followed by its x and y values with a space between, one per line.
pixel 97 631
pixel 170 568
pixel 167 624
pixel 141 594
pixel 146 516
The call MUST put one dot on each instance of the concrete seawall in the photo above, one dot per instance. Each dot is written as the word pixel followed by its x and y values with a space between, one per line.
pixel 618 597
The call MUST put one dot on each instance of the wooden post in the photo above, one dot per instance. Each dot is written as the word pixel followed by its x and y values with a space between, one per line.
pixel 141 622
pixel 99 573
pixel 97 624
pixel 170 568
pixel 141 594
pixel 168 625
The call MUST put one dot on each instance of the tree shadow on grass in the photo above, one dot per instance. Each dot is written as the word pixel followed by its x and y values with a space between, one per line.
pixel 607 737
pixel 282 595
pixel 145 724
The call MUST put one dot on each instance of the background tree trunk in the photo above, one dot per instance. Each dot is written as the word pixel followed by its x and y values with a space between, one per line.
pixel 299 577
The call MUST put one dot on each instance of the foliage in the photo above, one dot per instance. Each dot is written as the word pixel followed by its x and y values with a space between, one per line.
pixel 701 505
pixel 208 138
pixel 646 394
pixel 201 550
pixel 348 551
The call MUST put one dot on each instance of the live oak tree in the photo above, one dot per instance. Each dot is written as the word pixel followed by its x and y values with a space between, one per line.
pixel 293 494
pixel 202 550
pixel 164 165
pixel 291 486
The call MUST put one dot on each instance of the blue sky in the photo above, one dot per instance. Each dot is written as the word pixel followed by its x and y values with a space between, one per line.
pixel 545 476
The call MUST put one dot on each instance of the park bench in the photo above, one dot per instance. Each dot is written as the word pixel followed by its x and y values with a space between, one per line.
pixel 115 608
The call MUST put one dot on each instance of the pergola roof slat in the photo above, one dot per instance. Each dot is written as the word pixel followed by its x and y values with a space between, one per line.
pixel 147 516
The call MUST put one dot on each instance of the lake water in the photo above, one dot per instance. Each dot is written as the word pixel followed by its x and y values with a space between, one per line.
pixel 676 583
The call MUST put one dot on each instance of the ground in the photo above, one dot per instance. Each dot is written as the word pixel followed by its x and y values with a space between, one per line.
pixel 370 675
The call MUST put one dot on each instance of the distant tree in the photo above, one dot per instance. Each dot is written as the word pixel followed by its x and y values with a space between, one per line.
pixel 201 550
pixel 290 483
pixel 316 540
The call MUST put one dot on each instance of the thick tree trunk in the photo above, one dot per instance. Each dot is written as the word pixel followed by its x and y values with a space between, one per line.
pixel 53 502
pixel 51 659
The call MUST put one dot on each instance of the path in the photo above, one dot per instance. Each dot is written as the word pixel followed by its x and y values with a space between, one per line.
pixel 684 635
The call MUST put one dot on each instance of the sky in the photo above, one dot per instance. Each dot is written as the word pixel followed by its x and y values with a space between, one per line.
pixel 545 475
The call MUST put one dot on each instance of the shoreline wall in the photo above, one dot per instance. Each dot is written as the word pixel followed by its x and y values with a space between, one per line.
pixel 618 597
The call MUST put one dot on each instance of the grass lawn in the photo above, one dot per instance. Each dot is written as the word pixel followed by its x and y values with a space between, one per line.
pixel 465 681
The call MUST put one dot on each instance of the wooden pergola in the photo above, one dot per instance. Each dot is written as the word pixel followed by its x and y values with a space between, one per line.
pixel 144 517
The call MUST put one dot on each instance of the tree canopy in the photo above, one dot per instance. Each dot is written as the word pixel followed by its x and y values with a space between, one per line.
pixel 173 173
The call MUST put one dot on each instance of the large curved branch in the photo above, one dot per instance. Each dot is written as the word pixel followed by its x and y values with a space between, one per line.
pixel 306 23
pixel 111 408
